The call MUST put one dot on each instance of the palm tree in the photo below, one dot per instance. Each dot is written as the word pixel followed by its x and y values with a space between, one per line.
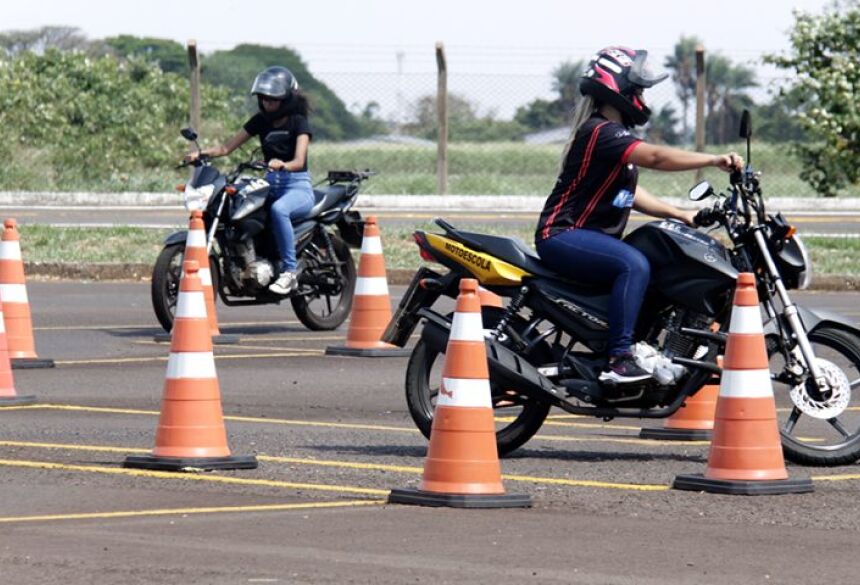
pixel 682 62
pixel 726 97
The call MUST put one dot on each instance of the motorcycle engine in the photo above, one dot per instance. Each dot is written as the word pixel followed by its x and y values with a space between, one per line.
pixel 259 272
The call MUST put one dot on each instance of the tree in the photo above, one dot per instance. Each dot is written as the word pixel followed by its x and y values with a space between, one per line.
pixel 825 79
pixel 237 68
pixel 39 40
pixel 541 114
pixel 464 122
pixel 682 63
pixel 725 97
pixel 169 55
pixel 662 128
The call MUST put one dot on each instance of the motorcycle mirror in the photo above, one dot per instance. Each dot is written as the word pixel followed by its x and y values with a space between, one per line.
pixel 701 191
pixel 746 125
pixel 189 134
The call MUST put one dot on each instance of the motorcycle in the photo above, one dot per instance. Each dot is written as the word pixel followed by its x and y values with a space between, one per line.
pixel 242 248
pixel 547 347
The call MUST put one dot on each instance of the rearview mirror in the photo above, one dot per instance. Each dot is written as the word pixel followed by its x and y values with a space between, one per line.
pixel 701 191
pixel 746 125
pixel 189 134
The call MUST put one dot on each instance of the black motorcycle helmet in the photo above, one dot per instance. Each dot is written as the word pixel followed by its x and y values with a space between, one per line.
pixel 616 76
pixel 275 83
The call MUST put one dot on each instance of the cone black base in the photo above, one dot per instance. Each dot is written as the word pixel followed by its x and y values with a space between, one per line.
pixel 771 487
pixel 664 434
pixel 31 363
pixel 422 498
pixel 154 463
pixel 16 400
pixel 223 339
pixel 394 351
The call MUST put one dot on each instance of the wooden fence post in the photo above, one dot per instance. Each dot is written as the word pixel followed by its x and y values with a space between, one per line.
pixel 194 68
pixel 442 116
pixel 700 105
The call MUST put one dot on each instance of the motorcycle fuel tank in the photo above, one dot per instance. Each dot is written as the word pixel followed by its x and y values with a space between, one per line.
pixel 251 196
pixel 687 267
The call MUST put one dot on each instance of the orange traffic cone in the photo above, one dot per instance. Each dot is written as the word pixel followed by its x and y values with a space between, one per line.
pixel 746 452
pixel 694 421
pixel 13 290
pixel 462 468
pixel 8 395
pixel 371 309
pixel 191 431
pixel 196 248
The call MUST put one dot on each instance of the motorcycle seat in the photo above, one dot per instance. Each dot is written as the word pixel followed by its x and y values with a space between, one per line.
pixel 327 197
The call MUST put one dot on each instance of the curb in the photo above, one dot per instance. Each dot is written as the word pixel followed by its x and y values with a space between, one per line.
pixel 396 276
pixel 497 203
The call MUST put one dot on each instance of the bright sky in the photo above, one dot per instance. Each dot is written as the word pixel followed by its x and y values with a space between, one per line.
pixel 342 39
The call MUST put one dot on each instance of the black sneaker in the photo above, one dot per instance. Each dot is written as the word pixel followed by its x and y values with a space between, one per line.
pixel 623 370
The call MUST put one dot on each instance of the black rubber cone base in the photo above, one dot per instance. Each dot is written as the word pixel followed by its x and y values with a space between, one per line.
pixel 30 363
pixel 740 487
pixel 223 339
pixel 16 400
pixel 422 498
pixel 663 434
pixel 190 463
pixel 373 352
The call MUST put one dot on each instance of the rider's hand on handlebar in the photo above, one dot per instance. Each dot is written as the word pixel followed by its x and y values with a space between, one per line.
pixel 191 157
pixel 729 162
pixel 688 216
pixel 276 164
pixel 705 217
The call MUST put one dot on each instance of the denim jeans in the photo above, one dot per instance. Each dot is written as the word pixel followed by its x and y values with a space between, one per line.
pixel 594 257
pixel 291 198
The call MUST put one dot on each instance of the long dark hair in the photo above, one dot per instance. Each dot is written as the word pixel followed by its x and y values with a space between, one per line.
pixel 299 104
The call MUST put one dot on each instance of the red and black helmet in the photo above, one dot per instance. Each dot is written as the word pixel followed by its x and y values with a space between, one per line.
pixel 615 76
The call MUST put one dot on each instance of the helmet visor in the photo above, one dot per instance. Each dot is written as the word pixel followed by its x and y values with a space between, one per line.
pixel 641 74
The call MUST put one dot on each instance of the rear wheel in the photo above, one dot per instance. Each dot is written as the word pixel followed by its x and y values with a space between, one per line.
pixel 326 284
pixel 518 418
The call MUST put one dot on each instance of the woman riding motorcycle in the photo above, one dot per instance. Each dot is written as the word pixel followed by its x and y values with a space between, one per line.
pixel 282 108
pixel 584 217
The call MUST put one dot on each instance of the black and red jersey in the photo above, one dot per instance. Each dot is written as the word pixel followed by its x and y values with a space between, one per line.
pixel 596 187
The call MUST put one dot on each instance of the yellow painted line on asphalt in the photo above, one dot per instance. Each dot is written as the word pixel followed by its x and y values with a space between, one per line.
pixel 277 421
pixel 555 423
pixel 140 360
pixel 356 465
pixel 344 489
pixel 244 346
pixel 155 326
pixel 189 511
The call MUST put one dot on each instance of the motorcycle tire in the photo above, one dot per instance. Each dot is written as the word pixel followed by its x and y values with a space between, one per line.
pixel 819 442
pixel 313 308
pixel 164 288
pixel 419 394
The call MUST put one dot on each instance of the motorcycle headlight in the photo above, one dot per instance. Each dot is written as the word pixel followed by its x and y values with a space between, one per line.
pixel 196 198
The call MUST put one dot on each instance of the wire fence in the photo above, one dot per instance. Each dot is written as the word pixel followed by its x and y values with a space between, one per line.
pixel 506 130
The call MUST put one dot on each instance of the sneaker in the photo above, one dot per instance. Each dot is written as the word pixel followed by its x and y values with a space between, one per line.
pixel 623 370
pixel 286 283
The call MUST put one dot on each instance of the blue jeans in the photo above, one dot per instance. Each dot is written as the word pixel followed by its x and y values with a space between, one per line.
pixel 291 198
pixel 596 258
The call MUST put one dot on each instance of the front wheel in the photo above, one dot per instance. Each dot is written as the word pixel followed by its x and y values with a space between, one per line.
pixel 822 429
pixel 326 284
pixel 518 417
pixel 164 289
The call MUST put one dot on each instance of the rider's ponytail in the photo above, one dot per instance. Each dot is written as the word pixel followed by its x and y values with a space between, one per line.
pixel 585 107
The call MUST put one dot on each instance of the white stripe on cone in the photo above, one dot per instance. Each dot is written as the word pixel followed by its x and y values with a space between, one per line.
pixel 191 305
pixel 745 320
pixel 195 239
pixel 204 274
pixel 746 384
pixel 2 324
pixel 371 285
pixel 371 245
pixel 467 327
pixel 13 293
pixel 191 364
pixel 10 250
pixel 464 392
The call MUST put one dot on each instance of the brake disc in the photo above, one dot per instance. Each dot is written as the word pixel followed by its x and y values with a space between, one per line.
pixel 836 399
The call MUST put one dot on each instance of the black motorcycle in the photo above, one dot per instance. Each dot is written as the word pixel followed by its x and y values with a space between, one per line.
pixel 242 247
pixel 548 346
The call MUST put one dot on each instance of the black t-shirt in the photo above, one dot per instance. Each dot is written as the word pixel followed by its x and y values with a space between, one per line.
pixel 596 187
pixel 296 125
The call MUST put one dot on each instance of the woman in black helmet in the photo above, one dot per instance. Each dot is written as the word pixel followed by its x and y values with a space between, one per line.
pixel 580 228
pixel 282 108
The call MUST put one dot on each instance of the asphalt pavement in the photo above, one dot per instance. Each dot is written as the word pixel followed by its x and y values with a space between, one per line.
pixel 332 436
